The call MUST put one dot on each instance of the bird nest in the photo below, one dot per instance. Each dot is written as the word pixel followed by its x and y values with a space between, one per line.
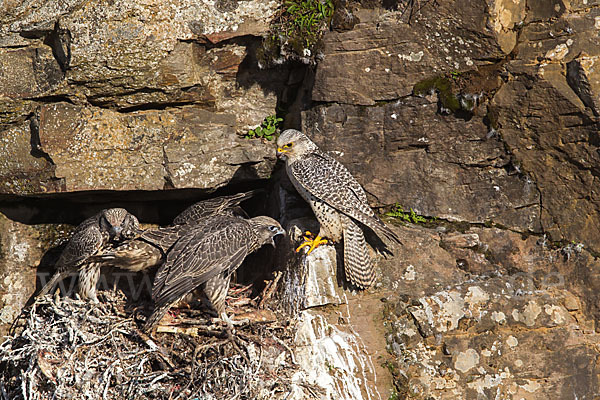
pixel 69 348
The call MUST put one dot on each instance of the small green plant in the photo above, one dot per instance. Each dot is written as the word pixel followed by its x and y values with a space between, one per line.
pixel 266 129
pixel 409 216
pixel 296 31
pixel 455 74
pixel 305 18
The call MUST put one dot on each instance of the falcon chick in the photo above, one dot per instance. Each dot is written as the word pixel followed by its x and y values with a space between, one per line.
pixel 208 252
pixel 151 247
pixel 90 238
pixel 338 201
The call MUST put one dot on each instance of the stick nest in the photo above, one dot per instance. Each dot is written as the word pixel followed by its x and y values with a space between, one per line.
pixel 67 348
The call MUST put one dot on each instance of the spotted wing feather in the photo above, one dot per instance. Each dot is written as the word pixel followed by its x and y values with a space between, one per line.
pixel 206 208
pixel 83 244
pixel 329 181
pixel 200 255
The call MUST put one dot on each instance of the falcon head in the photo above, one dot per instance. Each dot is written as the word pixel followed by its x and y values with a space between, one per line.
pixel 118 223
pixel 267 229
pixel 292 144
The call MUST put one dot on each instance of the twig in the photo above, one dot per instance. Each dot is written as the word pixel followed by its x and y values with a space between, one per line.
pixel 269 289
pixel 281 342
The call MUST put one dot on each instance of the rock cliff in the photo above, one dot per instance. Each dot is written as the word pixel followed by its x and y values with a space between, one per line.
pixel 472 124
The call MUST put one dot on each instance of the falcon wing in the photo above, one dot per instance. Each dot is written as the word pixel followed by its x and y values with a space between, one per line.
pixel 200 255
pixel 164 237
pixel 329 181
pixel 207 208
pixel 83 244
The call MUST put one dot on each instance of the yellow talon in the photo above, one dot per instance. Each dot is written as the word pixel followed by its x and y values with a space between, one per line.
pixel 314 243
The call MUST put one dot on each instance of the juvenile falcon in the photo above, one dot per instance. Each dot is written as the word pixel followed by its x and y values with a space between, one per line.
pixel 338 201
pixel 90 238
pixel 223 205
pixel 212 249
pixel 151 247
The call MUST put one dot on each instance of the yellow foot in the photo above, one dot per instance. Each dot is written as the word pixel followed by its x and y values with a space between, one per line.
pixel 313 243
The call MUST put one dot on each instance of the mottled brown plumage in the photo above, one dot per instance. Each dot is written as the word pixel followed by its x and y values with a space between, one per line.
pixel 151 247
pixel 91 238
pixel 210 250
pixel 338 201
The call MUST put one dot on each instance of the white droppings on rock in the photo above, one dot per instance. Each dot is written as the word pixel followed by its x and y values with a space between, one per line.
pixel 329 358
pixel 476 295
pixel 410 273
pixel 466 360
pixel 499 317
pixel 512 341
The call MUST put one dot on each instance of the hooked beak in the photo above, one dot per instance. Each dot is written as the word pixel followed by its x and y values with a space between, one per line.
pixel 281 151
pixel 115 231
pixel 280 231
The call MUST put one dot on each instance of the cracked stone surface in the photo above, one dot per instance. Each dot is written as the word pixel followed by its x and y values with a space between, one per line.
pixel 115 76
pixel 438 165
pixel 94 148
pixel 499 297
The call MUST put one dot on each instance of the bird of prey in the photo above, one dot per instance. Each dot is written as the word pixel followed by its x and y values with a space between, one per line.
pixel 338 201
pixel 224 205
pixel 208 252
pixel 150 248
pixel 90 238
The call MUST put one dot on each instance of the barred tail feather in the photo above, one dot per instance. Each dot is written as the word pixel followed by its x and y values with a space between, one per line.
pixel 358 264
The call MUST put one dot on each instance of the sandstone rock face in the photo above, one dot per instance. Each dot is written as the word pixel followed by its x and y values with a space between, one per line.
pixel 482 116
pixel 149 150
pixel 22 249
pixel 438 165
pixel 109 61
pixel 530 154
pixel 389 56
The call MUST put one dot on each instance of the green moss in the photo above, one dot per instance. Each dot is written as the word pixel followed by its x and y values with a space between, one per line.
pixel 443 86
pixel 409 216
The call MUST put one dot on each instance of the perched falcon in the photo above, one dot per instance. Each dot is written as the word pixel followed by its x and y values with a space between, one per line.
pixel 338 201
pixel 90 238
pixel 150 248
pixel 208 252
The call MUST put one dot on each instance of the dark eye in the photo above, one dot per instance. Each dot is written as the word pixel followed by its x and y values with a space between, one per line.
pixel 273 228
pixel 285 146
